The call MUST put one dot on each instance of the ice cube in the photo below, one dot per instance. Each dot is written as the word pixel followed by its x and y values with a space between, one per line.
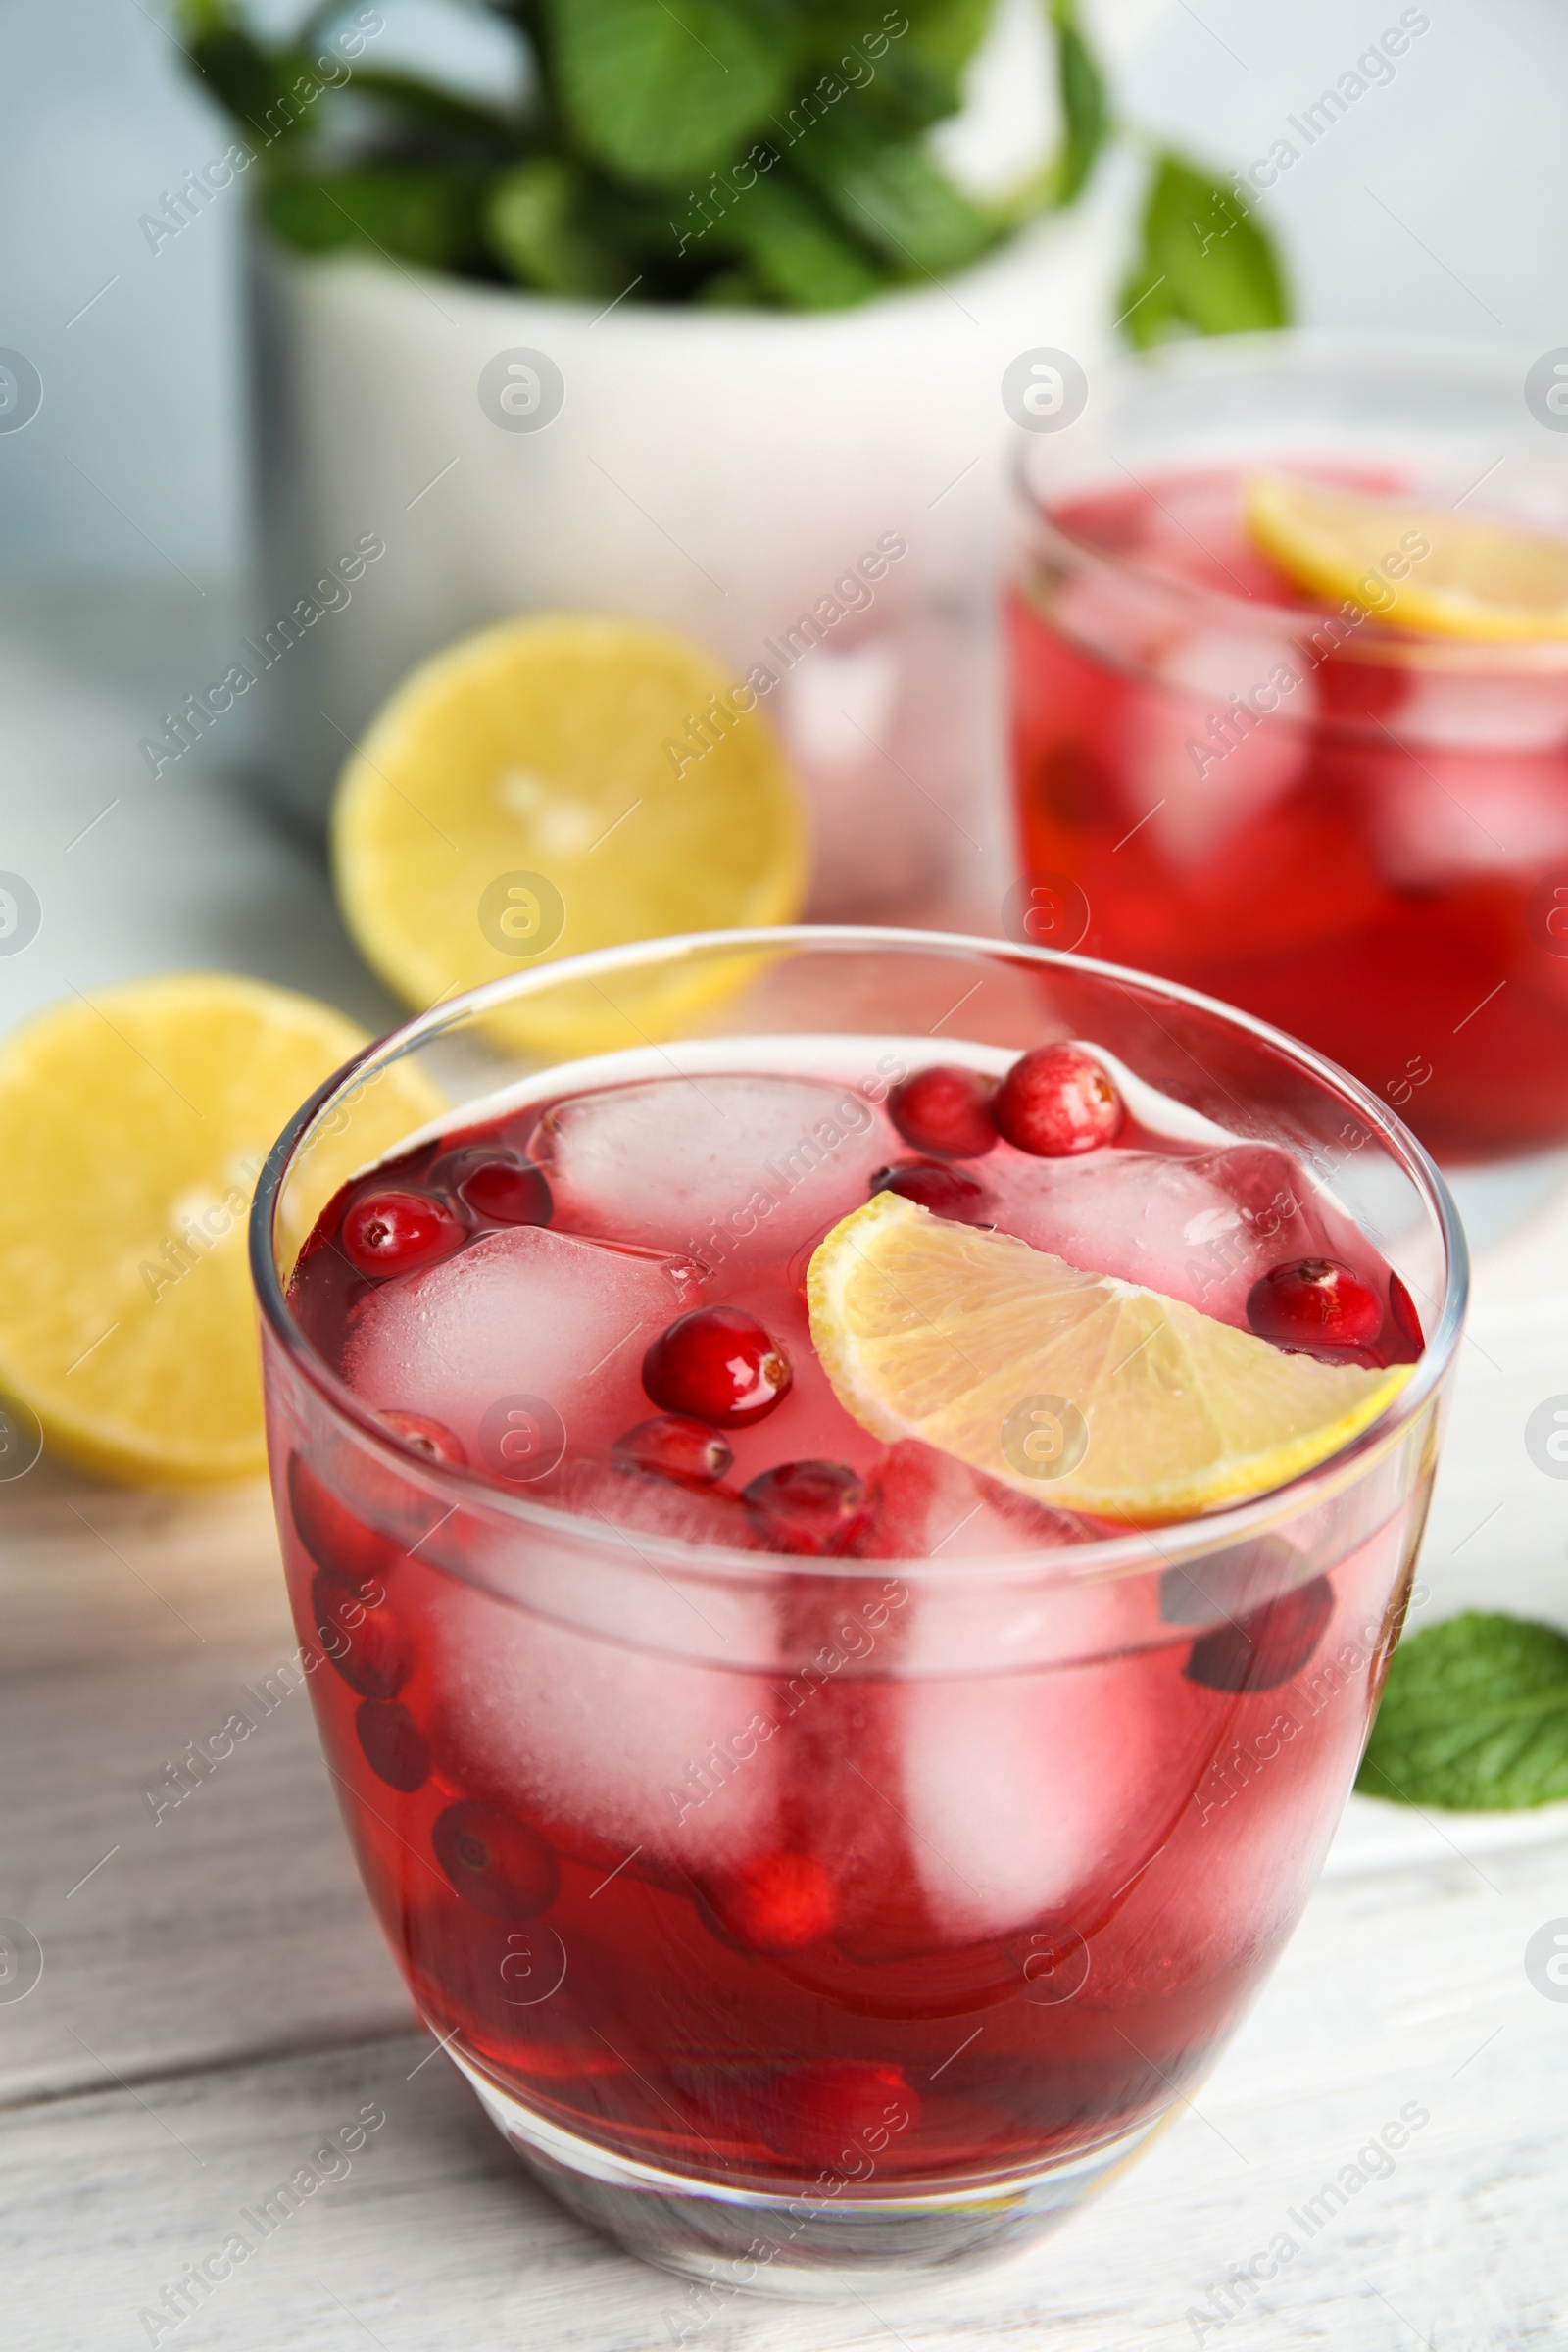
pixel 1036 1793
pixel 1191 533
pixel 930 1506
pixel 523 1312
pixel 613 1749
pixel 1453 816
pixel 658 1506
pixel 724 1169
pixel 1205 761
pixel 1451 712
pixel 1201 1229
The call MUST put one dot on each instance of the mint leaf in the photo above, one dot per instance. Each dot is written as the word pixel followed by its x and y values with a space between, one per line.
pixel 533 219
pixel 893 196
pixel 944 33
pixel 794 251
pixel 419 214
pixel 256 84
pixel 1205 266
pixel 907 95
pixel 196 18
pixel 661 91
pixel 1474 1717
pixel 433 108
pixel 731 151
pixel 915 54
pixel 1085 107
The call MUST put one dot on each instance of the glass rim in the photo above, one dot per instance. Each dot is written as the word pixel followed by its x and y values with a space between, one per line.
pixel 1136 1551
pixel 1236 358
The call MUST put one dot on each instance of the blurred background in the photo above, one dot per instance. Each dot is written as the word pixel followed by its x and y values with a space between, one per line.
pixel 1433 207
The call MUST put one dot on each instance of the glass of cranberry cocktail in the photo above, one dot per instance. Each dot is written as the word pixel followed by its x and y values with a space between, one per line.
pixel 846 1560
pixel 1310 802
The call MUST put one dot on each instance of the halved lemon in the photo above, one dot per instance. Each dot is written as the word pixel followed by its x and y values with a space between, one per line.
pixel 132 1128
pixel 559 783
pixel 1422 567
pixel 1085 1392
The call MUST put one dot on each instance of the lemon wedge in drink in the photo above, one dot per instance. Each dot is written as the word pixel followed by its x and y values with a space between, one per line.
pixel 1421 568
pixel 1085 1392
pixel 558 783
pixel 133 1126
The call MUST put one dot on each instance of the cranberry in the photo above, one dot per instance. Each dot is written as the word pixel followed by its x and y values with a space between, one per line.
pixel 1266 1646
pixel 394 1746
pixel 673 1446
pixel 835 2110
pixel 431 1438
pixel 330 1533
pixel 359 1633
pixel 947 1110
pixel 494 1861
pixel 1314 1302
pixel 398 1232
pixel 497 1185
pixel 946 1192
pixel 1055 1102
pixel 1406 1322
pixel 777 1903
pixel 816 1508
pixel 717 1364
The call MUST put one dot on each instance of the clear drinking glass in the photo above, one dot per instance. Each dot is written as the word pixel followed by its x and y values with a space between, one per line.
pixel 1112 1768
pixel 1356 831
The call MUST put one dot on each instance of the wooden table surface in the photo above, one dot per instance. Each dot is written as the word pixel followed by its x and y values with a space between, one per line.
pixel 214 2001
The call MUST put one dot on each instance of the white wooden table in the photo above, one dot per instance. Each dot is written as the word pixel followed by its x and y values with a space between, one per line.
pixel 214 2001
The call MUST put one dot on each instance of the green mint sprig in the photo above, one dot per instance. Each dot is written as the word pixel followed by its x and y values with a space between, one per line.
pixel 763 152
pixel 1204 266
pixel 1474 1717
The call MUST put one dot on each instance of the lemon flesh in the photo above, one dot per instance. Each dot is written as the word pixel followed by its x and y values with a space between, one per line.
pixel 1087 1392
pixel 556 784
pixel 132 1129
pixel 1476 578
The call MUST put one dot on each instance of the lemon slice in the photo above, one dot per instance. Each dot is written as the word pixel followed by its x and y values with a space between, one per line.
pixel 132 1129
pixel 1090 1393
pixel 1474 578
pixel 556 784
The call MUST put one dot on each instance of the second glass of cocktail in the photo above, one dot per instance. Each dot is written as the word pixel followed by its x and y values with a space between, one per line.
pixel 846 1560
pixel 1289 644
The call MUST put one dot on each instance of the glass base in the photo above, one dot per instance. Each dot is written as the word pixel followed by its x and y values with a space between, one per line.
pixel 810 2247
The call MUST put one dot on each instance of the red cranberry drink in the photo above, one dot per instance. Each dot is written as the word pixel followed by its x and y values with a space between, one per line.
pixel 1312 754
pixel 846 1577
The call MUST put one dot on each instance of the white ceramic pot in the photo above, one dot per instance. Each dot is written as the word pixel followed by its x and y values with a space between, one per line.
pixel 722 471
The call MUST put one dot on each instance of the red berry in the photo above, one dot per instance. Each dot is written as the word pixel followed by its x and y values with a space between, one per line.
pixel 1406 1322
pixel 398 1232
pixel 496 1863
pixel 1267 1646
pixel 946 1192
pixel 431 1438
pixel 671 1447
pixel 359 1633
pixel 834 2111
pixel 496 1184
pixel 777 1903
pixel 394 1746
pixel 329 1531
pixel 944 1109
pixel 1057 1100
pixel 814 1508
pixel 1314 1302
pixel 717 1364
